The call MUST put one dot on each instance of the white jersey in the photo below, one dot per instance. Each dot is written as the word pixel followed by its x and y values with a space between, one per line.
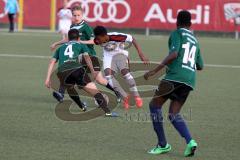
pixel 118 43
pixel 65 20
pixel 65 14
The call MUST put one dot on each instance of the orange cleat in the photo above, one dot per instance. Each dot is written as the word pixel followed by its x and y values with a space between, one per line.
pixel 139 101
pixel 126 102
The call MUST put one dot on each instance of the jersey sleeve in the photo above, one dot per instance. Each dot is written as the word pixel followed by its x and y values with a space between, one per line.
pixel 56 54
pixel 199 60
pixel 121 37
pixel 89 32
pixel 84 49
pixel 174 42
pixel 129 38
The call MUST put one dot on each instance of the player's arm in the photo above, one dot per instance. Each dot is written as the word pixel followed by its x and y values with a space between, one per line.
pixel 139 51
pixel 173 54
pixel 167 60
pixel 91 41
pixel 49 72
pixel 55 44
pixel 51 65
pixel 88 60
pixel 199 61
pixel 89 32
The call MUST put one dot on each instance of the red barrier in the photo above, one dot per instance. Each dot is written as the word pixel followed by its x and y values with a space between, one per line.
pixel 207 15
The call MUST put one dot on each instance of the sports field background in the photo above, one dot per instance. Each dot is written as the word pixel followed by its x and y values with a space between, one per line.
pixel 29 129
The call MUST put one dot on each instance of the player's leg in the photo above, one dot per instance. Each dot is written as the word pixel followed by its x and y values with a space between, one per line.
pixel 67 80
pixel 100 79
pixel 122 64
pixel 59 95
pixel 92 90
pixel 177 120
pixel 73 94
pixel 155 107
pixel 84 82
pixel 110 76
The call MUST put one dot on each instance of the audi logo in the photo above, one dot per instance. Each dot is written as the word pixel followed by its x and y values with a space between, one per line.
pixel 104 11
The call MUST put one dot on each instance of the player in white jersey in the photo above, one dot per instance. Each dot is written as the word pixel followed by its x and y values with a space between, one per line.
pixel 115 59
pixel 65 20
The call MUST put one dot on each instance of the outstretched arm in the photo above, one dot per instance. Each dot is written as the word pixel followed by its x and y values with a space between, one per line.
pixel 139 51
pixel 90 65
pixel 171 57
pixel 91 41
pixel 49 72
pixel 55 44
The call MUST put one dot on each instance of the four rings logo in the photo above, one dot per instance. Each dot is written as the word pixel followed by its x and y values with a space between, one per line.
pixel 104 11
pixel 232 12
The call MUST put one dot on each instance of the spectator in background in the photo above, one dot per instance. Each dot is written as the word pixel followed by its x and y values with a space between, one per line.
pixel 11 8
pixel 65 20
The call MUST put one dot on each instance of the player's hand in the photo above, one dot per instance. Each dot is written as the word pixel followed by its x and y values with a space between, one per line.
pixel 53 46
pixel 47 83
pixel 94 74
pixel 149 74
pixel 145 60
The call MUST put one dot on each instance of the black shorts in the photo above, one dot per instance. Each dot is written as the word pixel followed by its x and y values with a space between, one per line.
pixel 76 76
pixel 95 63
pixel 173 90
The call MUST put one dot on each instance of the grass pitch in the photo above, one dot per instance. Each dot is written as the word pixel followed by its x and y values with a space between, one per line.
pixel 29 128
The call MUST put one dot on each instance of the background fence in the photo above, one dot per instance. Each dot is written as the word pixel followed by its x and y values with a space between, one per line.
pixel 208 15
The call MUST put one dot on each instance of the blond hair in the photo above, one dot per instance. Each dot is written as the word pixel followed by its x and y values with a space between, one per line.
pixel 76 8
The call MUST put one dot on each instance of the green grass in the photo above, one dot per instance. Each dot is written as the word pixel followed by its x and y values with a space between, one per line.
pixel 29 128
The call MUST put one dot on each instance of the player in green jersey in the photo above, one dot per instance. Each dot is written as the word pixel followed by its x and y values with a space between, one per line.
pixel 183 60
pixel 86 34
pixel 72 72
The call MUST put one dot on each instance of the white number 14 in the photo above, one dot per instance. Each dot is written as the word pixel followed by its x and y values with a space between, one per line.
pixel 189 54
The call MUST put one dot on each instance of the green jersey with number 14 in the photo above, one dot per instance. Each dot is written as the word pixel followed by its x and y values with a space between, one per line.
pixel 68 55
pixel 183 68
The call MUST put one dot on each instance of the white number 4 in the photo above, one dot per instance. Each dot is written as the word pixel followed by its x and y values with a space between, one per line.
pixel 189 54
pixel 69 52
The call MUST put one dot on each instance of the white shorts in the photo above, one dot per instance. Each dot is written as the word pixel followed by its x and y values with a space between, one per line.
pixel 116 62
pixel 64 26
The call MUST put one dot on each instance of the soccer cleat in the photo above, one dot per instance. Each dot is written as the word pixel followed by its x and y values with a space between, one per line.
pixel 84 106
pixel 190 149
pixel 119 97
pixel 111 114
pixel 126 102
pixel 139 101
pixel 58 96
pixel 160 150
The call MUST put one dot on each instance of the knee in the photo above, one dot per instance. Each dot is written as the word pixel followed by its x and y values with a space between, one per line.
pixel 101 80
pixel 174 117
pixel 124 72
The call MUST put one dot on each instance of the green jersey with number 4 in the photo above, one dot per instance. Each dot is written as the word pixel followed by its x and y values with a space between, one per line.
pixel 183 68
pixel 68 55
pixel 86 33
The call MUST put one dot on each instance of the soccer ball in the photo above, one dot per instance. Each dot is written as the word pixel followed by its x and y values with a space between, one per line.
pixel 106 98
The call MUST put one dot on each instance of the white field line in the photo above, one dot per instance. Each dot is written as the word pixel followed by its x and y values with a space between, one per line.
pixel 48 57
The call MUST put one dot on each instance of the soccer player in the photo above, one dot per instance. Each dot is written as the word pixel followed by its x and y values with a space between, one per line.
pixel 65 20
pixel 71 72
pixel 86 34
pixel 115 58
pixel 183 60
